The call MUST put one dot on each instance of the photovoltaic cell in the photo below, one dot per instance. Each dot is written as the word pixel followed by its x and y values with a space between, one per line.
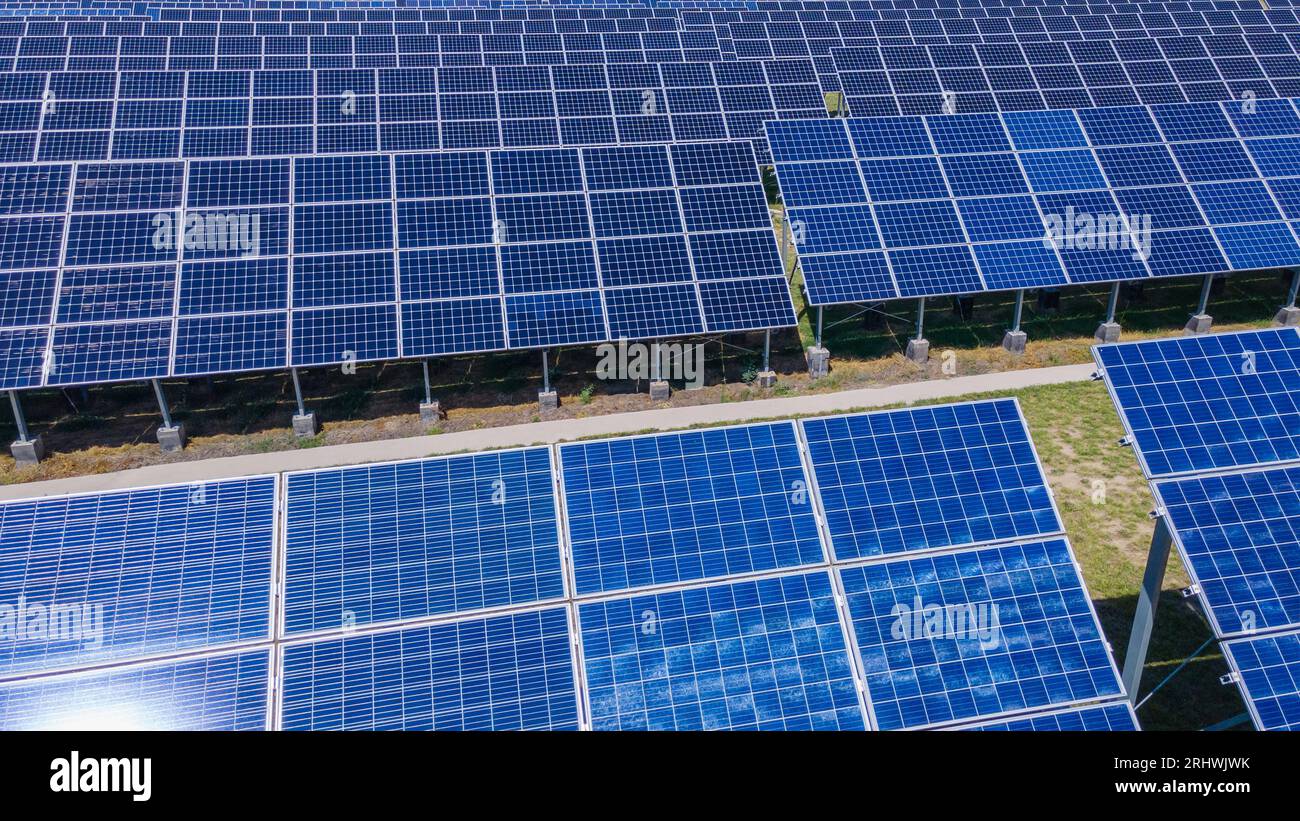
pixel 381 543
pixel 221 692
pixel 511 672
pixel 1207 402
pixel 1239 535
pixel 765 655
pixel 1268 673
pixel 653 510
pixel 912 480
pixel 150 571
pixel 1018 632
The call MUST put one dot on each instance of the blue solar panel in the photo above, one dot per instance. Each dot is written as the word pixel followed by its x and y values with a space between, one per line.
pixel 1116 717
pixel 767 655
pixel 978 633
pixel 22 352
pixel 511 672
pixel 382 543
pixel 738 304
pixel 355 276
pixel 1237 534
pixel 653 510
pixel 1268 672
pixel 230 344
pixel 910 480
pixel 131 574
pixel 222 692
pixel 922 189
pixel 1208 402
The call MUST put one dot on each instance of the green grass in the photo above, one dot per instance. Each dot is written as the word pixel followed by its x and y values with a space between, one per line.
pixel 1076 430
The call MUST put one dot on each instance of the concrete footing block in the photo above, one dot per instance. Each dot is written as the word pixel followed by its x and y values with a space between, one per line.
pixel 1107 332
pixel 1014 341
pixel 548 400
pixel 305 425
pixel 1288 317
pixel 819 362
pixel 918 350
pixel 28 453
pixel 171 439
pixel 766 379
pixel 430 412
pixel 660 391
pixel 1198 324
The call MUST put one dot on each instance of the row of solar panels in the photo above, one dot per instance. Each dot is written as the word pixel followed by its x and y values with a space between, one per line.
pixel 144 270
pixel 961 203
pixel 700 13
pixel 899 569
pixel 80 53
pixel 735 32
pixel 868 22
pixel 1215 424
pixel 32 48
pixel 1191 58
pixel 801 29
pixel 73 117
pixel 120 27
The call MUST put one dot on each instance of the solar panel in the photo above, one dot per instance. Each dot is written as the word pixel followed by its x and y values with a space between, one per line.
pixel 662 509
pixel 1207 402
pixel 220 692
pixel 397 541
pixel 979 633
pixel 510 672
pixel 935 477
pixel 766 655
pixel 962 203
pixel 308 261
pixel 153 113
pixel 1117 717
pixel 979 76
pixel 1237 534
pixel 131 574
pixel 1267 670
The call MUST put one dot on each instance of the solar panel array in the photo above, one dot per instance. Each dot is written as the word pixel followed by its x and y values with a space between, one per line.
pixel 977 77
pixel 380 543
pixel 216 81
pixel 1213 422
pixel 976 634
pixel 1202 403
pixel 929 478
pixel 1268 669
pixel 183 268
pixel 127 576
pixel 676 507
pixel 1240 536
pixel 172 569
pixel 883 208
pixel 669 581
pixel 66 116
